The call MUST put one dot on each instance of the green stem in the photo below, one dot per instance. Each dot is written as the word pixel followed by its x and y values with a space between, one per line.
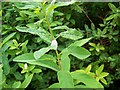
pixel 50 30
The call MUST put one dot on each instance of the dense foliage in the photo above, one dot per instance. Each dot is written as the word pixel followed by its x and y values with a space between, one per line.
pixel 60 45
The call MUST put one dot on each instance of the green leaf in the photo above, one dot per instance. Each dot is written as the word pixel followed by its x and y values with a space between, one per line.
pixel 111 17
pixel 60 27
pixel 68 16
pixel 55 85
pixel 112 7
pixel 80 42
pixel 16 84
pixel 36 70
pixel 103 74
pixel 99 70
pixel 72 21
pixel 97 49
pixel 1 76
pixel 72 34
pixel 50 11
pixel 81 86
pixel 42 51
pixel 21 65
pixel 116 32
pixel 88 68
pixel 102 48
pixel 102 25
pixel 28 13
pixel 65 62
pixel 92 26
pixel 26 5
pixel 6 66
pixel 91 48
pixel 92 44
pixel 87 28
pixel 26 82
pixel 7 38
pixel 103 81
pixel 79 52
pixel 59 4
pixel 30 67
pixel 65 79
pixel 6 46
pixel 29 58
pixel 89 81
pixel 44 35
pixel 48 57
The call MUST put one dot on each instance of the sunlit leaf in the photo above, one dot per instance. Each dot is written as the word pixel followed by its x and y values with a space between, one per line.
pixel 79 52
pixel 72 34
pixel 29 58
pixel 65 79
pixel 89 81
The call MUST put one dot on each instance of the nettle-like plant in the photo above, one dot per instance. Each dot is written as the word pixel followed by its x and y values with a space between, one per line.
pixel 53 32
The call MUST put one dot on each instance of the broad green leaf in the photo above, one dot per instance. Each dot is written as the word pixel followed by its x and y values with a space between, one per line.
pixel 16 84
pixel 7 38
pixel 65 62
pixel 72 34
pixel 80 42
pixel 46 63
pixel 42 51
pixel 65 79
pixel 79 52
pixel 44 35
pixel 27 81
pixel 89 81
pixel 112 7
pixel 55 85
pixel 29 58
pixel 6 66
pixel 99 70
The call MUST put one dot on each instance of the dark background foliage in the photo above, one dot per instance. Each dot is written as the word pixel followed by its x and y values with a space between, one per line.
pixel 79 18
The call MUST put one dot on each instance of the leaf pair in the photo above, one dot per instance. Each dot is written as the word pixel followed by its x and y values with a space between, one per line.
pixel 45 60
pixel 66 80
